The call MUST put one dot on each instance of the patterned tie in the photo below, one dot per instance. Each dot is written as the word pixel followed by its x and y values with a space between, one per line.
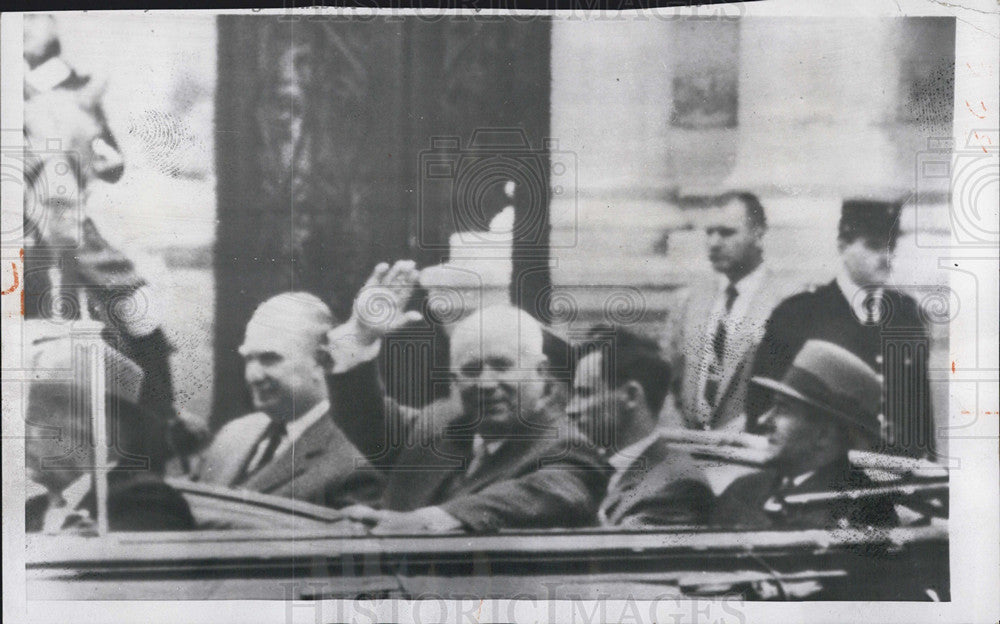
pixel 719 349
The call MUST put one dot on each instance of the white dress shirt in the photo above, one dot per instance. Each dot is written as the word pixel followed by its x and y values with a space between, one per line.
pixel 481 450
pixel 857 295
pixel 64 505
pixel 773 504
pixel 746 288
pixel 623 459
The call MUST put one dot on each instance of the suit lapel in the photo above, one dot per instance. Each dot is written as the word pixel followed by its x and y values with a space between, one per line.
pixel 496 466
pixel 226 465
pixel 748 333
pixel 695 351
pixel 632 480
pixel 296 459
pixel 424 472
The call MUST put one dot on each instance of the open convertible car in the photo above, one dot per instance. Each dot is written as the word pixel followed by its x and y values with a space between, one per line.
pixel 254 546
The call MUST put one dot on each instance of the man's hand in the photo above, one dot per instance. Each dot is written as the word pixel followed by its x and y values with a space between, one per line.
pixel 378 309
pixel 380 305
pixel 385 522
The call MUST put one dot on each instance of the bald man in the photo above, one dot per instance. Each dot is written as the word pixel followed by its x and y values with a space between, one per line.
pixel 490 456
pixel 291 445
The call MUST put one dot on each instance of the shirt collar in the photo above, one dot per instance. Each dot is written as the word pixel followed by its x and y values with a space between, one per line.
pixel 798 480
pixel 74 493
pixel 298 426
pixel 621 460
pixel 481 445
pixel 851 291
pixel 747 285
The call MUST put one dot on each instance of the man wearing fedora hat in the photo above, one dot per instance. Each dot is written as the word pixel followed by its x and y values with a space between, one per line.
pixel 60 445
pixel 824 402
pixel 860 312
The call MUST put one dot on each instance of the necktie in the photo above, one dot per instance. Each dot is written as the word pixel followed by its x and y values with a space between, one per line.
pixel 480 453
pixel 273 436
pixel 871 305
pixel 719 348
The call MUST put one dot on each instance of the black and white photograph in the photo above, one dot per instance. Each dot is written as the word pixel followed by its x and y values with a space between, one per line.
pixel 360 315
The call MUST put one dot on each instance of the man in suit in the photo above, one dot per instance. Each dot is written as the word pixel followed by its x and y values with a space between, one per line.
pixel 619 385
pixel 291 446
pixel 60 449
pixel 713 331
pixel 492 455
pixel 861 313
pixel 825 399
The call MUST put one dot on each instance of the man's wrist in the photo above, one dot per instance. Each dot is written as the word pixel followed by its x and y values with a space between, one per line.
pixel 351 345
pixel 438 519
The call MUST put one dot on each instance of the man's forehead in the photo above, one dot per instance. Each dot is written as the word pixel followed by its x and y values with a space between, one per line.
pixel 732 214
pixel 263 338
pixel 498 332
pixel 486 346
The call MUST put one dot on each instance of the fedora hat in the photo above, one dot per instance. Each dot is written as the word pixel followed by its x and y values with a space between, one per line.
pixel 834 380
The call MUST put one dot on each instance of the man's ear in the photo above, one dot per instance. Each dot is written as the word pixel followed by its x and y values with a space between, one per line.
pixel 826 437
pixel 635 395
pixel 543 368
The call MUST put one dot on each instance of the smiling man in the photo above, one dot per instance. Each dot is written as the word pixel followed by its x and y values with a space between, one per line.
pixel 713 331
pixel 291 446
pixel 494 454
pixel 862 313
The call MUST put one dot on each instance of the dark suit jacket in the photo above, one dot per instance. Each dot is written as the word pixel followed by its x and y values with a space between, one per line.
pixel 661 486
pixel 742 503
pixel 897 348
pixel 136 502
pixel 323 467
pixel 551 477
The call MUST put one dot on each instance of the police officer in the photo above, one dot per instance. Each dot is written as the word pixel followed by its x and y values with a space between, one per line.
pixel 859 311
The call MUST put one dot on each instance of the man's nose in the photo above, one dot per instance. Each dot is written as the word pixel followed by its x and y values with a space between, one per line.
pixel 488 379
pixel 766 420
pixel 253 371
